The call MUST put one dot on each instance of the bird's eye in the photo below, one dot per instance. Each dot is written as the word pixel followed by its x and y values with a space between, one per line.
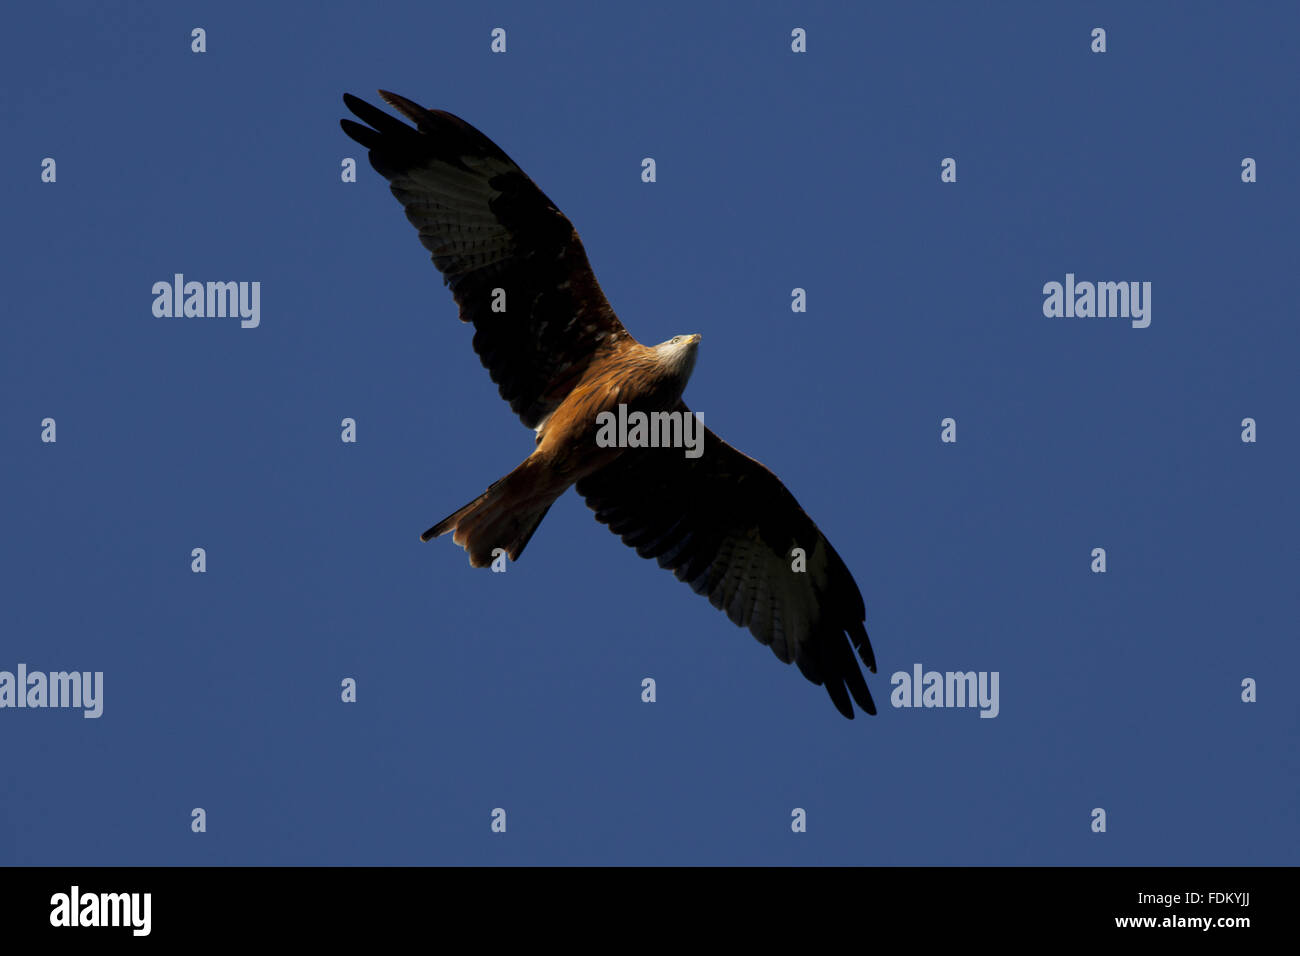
pixel 676 339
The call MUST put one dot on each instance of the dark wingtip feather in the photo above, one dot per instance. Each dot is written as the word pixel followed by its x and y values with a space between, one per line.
pixel 364 135
pixel 381 121
pixel 425 120
pixel 441 528
pixel 411 110
pixel 858 634
pixel 863 696
pixel 839 696
pixel 857 683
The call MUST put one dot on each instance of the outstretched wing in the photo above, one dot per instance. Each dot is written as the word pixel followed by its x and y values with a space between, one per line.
pixel 726 525
pixel 490 228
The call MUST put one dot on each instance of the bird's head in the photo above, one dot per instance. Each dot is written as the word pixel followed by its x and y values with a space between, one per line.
pixel 678 354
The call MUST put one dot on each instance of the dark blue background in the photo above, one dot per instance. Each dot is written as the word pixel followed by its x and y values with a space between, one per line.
pixel 521 691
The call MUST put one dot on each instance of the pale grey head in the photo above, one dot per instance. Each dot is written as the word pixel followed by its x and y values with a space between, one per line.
pixel 678 356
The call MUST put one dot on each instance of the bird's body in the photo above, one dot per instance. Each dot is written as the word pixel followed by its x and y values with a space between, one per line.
pixel 559 355
pixel 506 515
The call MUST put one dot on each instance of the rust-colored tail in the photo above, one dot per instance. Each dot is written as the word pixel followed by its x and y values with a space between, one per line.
pixel 505 516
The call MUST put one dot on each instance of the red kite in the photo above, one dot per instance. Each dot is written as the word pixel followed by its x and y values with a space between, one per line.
pixel 718 519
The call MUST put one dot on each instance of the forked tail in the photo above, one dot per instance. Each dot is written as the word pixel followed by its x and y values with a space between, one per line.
pixel 505 516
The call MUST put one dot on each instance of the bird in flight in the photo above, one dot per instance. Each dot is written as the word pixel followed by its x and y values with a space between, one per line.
pixel 718 519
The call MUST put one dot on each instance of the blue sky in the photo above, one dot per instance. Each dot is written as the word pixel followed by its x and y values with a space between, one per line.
pixel 775 170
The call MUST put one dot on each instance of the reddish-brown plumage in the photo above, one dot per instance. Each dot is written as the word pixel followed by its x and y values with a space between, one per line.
pixel 507 514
